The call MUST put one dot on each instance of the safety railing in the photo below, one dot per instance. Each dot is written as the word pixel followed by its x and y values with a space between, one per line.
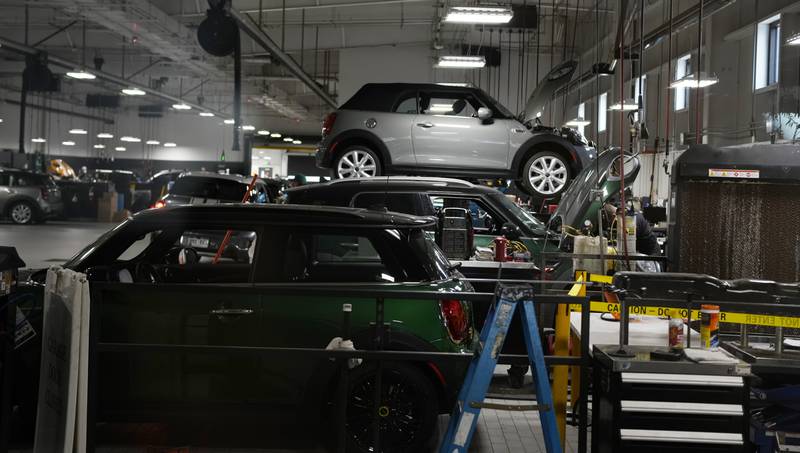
pixel 103 292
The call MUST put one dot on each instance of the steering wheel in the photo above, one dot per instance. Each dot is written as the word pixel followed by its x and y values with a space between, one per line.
pixel 145 272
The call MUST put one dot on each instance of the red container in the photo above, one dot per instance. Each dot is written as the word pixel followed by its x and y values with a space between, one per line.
pixel 500 246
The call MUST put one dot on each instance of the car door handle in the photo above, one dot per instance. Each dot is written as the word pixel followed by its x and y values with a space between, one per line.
pixel 231 311
pixel 425 125
pixel 518 131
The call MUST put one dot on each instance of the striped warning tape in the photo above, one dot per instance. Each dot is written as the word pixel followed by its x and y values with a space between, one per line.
pixel 729 317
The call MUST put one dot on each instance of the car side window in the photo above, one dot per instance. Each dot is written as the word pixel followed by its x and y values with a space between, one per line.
pixel 407 203
pixel 4 180
pixel 406 104
pixel 449 104
pixel 482 219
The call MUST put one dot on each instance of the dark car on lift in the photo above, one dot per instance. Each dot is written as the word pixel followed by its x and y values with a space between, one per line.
pixel 154 290
pixel 455 131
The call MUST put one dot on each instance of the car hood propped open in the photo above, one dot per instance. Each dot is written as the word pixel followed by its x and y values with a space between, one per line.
pixel 555 79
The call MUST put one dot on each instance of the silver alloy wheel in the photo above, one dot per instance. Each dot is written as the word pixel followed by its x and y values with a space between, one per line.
pixel 548 175
pixel 21 213
pixel 356 164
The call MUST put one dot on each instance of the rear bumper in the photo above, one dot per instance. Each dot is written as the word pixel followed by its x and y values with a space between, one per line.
pixel 323 156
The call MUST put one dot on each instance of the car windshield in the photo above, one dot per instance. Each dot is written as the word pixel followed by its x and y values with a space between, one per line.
pixel 524 216
pixel 209 187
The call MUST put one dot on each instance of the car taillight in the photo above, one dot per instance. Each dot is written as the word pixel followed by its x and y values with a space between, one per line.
pixel 159 204
pixel 456 318
pixel 45 193
pixel 327 123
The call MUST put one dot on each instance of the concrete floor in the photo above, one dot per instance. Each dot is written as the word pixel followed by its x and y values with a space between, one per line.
pixel 55 242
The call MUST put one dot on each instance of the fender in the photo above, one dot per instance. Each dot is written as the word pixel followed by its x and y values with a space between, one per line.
pixel 358 135
pixel 539 139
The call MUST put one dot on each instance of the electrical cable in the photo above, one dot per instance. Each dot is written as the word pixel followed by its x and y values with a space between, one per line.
pixel 697 129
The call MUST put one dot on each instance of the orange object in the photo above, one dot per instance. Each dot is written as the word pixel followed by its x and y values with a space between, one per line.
pixel 228 233
pixel 709 326
pixel 500 246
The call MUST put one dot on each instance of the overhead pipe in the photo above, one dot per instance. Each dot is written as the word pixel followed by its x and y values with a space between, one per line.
pixel 247 25
pixel 61 62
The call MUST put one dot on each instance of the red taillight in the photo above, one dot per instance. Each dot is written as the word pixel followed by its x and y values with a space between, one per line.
pixel 456 318
pixel 327 123
pixel 45 193
pixel 159 204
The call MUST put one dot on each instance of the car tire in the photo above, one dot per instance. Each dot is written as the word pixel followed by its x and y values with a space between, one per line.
pixel 545 176
pixel 22 213
pixel 356 161
pixel 408 413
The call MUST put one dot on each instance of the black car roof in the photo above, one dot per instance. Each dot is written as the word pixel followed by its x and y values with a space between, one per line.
pixel 338 187
pixel 234 213
pixel 380 97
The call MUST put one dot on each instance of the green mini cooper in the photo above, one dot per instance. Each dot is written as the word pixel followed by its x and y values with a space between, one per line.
pixel 164 292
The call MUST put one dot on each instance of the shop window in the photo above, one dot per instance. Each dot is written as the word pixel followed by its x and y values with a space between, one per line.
pixel 637 92
pixel 767 52
pixel 683 67
pixel 602 112
pixel 582 115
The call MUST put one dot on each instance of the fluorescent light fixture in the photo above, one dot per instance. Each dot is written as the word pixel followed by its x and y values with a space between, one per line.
pixel 181 106
pixel 459 61
pixel 80 74
pixel 152 142
pixel 68 143
pixel 99 146
pixel 263 132
pixel 577 122
pixel 288 139
pixel 133 91
pixel 38 140
pixel 206 114
pixel 275 135
pixel 297 142
pixel 119 148
pixel 78 131
pixel 628 105
pixel 169 145
pixel 1 120
pixel 105 135
pixel 248 127
pixel 229 121
pixel 793 40
pixel 440 108
pixel 129 139
pixel 691 81
pixel 478 15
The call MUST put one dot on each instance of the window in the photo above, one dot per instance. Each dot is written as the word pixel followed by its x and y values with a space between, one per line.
pixel 602 112
pixel 209 188
pixel 581 115
pixel 5 179
pixel 483 220
pixel 636 94
pixel 414 203
pixel 449 104
pixel 683 67
pixel 407 104
pixel 767 52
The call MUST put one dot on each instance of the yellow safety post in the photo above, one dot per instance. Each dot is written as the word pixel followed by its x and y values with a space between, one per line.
pixel 561 372
pixel 577 290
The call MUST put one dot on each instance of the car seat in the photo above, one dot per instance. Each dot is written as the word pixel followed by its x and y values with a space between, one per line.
pixel 424 104
pixel 458 107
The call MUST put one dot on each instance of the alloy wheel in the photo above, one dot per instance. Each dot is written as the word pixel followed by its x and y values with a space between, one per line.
pixel 548 175
pixel 356 164
pixel 21 213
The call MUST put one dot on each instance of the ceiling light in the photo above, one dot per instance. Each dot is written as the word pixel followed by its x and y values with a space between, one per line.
pixel 169 145
pixel 691 81
pixel 105 135
pixel 78 131
pixel 68 143
pixel 152 142
pixel 181 106
pixel 133 91
pixel 275 135
pixel 458 61
pixel 297 142
pixel 288 139
pixel 206 114
pixel 478 15
pixel 130 139
pixel 794 40
pixel 81 75
pixel 248 128
pixel 119 148
pixel 626 106
pixel 38 140
pixel 229 121
pixel 1 120
pixel 577 122
pixel 263 132
pixel 99 146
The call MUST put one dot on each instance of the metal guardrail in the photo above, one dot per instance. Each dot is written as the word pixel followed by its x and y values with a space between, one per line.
pixel 100 291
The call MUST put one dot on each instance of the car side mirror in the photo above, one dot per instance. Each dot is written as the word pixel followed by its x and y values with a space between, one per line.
pixel 188 256
pixel 484 114
pixel 511 231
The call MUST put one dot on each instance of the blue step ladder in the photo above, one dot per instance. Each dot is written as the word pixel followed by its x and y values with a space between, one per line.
pixel 464 418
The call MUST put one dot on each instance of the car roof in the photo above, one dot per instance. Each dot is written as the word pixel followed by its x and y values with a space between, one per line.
pixel 210 174
pixel 391 183
pixel 421 86
pixel 17 170
pixel 294 215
